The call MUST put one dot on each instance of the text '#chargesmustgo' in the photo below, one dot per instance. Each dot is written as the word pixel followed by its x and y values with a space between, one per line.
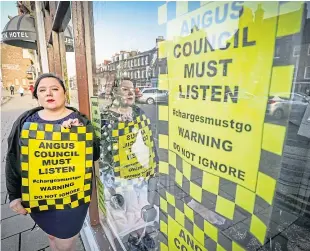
pixel 237 126
pixel 55 180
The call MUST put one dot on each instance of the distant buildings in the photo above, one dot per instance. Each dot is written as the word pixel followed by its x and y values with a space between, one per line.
pixel 141 67
pixel 17 66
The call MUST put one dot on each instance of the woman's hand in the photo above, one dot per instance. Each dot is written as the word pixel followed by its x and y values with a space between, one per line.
pixel 16 206
pixel 71 122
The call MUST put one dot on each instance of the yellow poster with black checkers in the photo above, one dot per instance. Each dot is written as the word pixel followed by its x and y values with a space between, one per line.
pixel 204 71
pixel 56 166
pixel 181 239
pixel 131 140
pixel 221 71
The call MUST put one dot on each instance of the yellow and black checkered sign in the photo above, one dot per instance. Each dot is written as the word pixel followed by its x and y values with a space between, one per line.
pixel 244 204
pixel 56 166
pixel 125 135
pixel 180 225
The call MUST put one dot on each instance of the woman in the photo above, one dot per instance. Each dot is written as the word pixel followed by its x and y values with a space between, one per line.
pixel 127 198
pixel 62 226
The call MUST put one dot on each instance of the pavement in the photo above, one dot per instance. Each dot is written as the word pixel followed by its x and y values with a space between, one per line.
pixel 17 231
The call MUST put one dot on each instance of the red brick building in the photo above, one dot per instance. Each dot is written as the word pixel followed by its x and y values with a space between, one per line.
pixel 15 66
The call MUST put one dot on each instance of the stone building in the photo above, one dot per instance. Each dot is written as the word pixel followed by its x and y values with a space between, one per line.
pixel 141 67
pixel 16 66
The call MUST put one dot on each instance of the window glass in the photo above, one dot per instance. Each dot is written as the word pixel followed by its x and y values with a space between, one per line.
pixel 149 91
pixel 222 162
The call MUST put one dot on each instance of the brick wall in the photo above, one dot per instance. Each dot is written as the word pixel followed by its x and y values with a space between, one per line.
pixel 14 66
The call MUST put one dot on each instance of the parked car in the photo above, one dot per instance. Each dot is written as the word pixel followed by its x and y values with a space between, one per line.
pixel 279 105
pixel 153 95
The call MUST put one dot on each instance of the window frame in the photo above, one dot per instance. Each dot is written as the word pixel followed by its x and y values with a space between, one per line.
pixel 305 73
pixel 297 46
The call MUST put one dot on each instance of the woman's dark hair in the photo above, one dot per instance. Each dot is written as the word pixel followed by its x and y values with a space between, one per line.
pixel 46 75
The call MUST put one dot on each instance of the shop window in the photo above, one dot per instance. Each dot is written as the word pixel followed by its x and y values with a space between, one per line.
pixel 212 150
pixel 149 91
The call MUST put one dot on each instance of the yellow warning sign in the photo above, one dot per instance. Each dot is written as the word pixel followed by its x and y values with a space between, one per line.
pixel 134 152
pixel 217 105
pixel 56 166
pixel 180 239
pixel 100 192
pixel 95 116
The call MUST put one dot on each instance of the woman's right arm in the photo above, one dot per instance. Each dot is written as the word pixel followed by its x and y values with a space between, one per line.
pixel 12 170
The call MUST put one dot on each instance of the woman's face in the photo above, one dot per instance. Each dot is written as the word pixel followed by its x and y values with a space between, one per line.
pixel 126 93
pixel 50 94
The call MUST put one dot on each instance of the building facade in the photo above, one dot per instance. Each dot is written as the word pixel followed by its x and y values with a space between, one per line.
pixel 141 67
pixel 17 67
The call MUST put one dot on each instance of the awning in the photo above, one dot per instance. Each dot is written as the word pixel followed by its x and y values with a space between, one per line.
pixel 20 31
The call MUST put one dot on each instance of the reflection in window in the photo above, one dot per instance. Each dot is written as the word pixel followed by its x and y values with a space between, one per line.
pixel 307 72
pixel 277 52
pixel 296 51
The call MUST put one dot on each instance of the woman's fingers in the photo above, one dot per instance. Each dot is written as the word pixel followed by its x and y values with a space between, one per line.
pixel 75 122
pixel 71 122
pixel 21 209
pixel 17 207
pixel 67 123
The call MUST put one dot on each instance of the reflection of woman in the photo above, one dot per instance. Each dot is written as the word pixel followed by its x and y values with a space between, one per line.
pixel 126 203
pixel 122 109
pixel 62 226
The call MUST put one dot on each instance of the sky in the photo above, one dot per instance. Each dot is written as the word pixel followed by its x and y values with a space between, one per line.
pixel 117 26
pixel 7 9
pixel 125 26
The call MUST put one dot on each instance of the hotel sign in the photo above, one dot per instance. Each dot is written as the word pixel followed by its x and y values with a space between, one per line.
pixel 18 35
